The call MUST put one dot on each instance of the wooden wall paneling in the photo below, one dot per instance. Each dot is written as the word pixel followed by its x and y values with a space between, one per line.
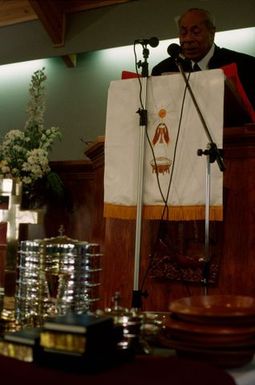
pixel 238 263
pixel 95 153
pixel 75 213
pixel 118 268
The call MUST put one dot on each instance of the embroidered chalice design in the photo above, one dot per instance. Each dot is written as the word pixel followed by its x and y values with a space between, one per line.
pixel 161 164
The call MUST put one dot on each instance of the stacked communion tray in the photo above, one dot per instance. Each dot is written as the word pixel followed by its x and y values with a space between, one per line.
pixel 55 276
pixel 219 329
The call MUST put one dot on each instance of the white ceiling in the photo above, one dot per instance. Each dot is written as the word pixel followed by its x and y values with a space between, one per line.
pixel 116 26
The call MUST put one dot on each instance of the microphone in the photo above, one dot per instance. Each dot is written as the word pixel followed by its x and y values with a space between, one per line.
pixel 153 41
pixel 174 51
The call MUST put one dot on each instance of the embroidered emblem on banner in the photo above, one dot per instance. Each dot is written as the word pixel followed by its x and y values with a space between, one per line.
pixel 161 141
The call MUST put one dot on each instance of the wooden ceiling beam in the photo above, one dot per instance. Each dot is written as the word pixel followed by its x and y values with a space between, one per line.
pixel 14 12
pixel 70 60
pixel 53 18
pixel 52 14
pixel 83 5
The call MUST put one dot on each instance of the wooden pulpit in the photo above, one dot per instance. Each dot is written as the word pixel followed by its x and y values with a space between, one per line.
pixel 232 240
pixel 234 248
pixel 235 238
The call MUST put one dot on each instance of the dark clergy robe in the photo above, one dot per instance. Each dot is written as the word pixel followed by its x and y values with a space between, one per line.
pixel 222 56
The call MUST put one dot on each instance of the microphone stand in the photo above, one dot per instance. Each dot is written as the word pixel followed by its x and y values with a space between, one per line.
pixel 138 294
pixel 144 64
pixel 212 153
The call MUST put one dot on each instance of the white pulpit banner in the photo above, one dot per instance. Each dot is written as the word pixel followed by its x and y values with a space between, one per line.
pixel 175 133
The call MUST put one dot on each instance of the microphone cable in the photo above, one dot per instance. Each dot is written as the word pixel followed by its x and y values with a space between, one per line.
pixel 153 262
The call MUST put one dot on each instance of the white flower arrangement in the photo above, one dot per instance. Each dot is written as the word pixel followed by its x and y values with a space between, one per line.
pixel 24 154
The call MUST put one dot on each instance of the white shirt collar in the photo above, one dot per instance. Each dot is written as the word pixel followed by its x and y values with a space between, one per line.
pixel 203 63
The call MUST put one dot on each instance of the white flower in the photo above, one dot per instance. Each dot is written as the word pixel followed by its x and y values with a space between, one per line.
pixel 27 180
pixel 24 154
pixel 4 168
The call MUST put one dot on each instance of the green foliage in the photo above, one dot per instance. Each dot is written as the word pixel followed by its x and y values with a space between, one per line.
pixel 24 153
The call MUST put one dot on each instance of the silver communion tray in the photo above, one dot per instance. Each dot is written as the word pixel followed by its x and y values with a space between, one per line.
pixel 56 275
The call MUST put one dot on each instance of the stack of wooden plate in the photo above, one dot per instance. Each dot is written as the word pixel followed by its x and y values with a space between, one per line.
pixel 215 328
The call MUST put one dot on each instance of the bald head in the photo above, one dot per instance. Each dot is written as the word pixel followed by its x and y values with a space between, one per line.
pixel 196 33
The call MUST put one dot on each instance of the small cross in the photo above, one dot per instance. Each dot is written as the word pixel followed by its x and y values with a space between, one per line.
pixel 14 216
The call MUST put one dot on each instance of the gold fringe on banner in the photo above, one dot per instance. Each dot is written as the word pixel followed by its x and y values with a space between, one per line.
pixel 176 213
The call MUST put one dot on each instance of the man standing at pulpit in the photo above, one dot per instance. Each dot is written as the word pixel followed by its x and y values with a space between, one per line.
pixel 199 52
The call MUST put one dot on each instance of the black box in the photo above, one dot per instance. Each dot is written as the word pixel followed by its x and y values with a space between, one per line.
pixel 22 345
